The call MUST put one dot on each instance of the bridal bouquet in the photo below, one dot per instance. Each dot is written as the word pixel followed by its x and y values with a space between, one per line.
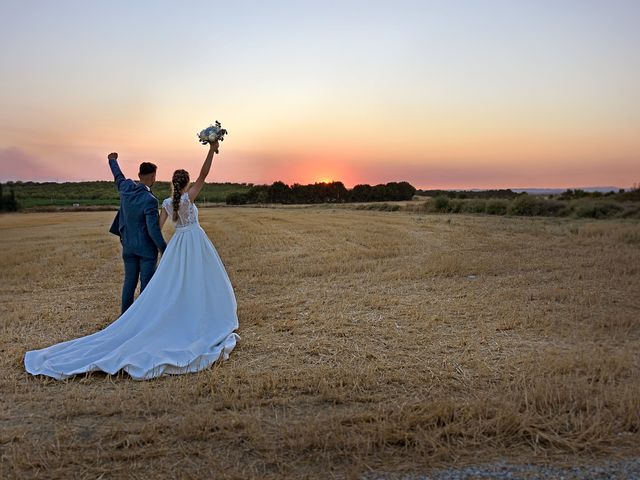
pixel 212 133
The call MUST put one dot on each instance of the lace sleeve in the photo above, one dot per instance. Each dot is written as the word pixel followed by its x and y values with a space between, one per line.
pixel 167 204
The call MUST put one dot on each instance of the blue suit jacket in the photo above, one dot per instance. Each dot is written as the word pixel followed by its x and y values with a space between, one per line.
pixel 137 220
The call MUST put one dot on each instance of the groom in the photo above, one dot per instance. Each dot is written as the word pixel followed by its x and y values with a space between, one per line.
pixel 137 226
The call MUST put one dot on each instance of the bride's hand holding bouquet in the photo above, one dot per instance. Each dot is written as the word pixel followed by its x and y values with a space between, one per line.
pixel 214 146
pixel 212 135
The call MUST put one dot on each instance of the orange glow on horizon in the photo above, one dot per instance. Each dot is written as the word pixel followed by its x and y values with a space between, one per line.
pixel 421 98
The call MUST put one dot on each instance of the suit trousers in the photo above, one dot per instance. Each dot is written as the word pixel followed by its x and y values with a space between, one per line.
pixel 136 267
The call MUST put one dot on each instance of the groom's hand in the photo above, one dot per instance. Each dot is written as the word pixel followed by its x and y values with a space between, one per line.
pixel 113 156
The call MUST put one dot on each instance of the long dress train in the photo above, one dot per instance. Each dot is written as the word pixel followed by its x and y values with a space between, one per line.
pixel 182 322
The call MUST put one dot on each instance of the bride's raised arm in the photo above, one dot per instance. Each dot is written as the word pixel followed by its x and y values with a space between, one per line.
pixel 204 171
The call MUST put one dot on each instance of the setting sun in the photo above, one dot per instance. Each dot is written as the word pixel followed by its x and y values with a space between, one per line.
pixel 426 93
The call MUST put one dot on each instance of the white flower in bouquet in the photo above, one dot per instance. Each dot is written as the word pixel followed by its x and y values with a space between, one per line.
pixel 212 133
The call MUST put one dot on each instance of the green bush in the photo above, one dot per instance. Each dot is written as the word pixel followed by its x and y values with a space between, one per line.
pixel 529 205
pixel 441 204
pixel 534 205
pixel 455 206
pixel 474 206
pixel 632 211
pixel 525 205
pixel 236 198
pixel 555 208
pixel 598 209
pixel 8 203
pixel 497 207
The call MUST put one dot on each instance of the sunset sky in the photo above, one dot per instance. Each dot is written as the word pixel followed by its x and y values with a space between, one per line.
pixel 443 94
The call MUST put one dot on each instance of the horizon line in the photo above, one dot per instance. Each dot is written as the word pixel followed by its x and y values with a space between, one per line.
pixel 589 187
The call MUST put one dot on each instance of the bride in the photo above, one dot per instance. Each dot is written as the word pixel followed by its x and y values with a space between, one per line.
pixel 182 322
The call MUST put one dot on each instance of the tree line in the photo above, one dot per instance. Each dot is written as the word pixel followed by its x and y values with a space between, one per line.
pixel 323 192
pixel 42 194
pixel 496 193
pixel 632 194
pixel 623 195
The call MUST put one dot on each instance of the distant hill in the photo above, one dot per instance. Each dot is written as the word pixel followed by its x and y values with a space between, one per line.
pixel 558 191
pixel 510 192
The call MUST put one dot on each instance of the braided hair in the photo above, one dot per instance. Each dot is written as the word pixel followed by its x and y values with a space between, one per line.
pixel 179 181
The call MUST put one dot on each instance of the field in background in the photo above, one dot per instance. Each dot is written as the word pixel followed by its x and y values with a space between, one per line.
pixel 371 340
pixel 101 193
pixel 393 196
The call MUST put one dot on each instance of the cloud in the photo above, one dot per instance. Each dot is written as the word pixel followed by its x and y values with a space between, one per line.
pixel 16 164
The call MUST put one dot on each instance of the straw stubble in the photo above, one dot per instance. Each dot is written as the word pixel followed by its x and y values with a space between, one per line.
pixel 390 341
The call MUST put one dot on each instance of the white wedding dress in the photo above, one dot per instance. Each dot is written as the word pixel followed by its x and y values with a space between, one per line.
pixel 183 321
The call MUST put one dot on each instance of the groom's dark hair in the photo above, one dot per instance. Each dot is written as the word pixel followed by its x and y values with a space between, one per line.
pixel 146 168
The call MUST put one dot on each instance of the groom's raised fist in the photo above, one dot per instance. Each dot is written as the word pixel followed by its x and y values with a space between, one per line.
pixel 113 156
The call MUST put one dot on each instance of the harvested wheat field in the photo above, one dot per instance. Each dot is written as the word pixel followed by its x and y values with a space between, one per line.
pixel 371 341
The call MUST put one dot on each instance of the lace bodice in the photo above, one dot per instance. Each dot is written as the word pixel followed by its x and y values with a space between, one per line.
pixel 187 213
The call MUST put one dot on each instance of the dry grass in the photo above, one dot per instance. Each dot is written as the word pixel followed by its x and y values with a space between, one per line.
pixel 365 345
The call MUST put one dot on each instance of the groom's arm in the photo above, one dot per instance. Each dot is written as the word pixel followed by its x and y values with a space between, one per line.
pixel 153 224
pixel 115 169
